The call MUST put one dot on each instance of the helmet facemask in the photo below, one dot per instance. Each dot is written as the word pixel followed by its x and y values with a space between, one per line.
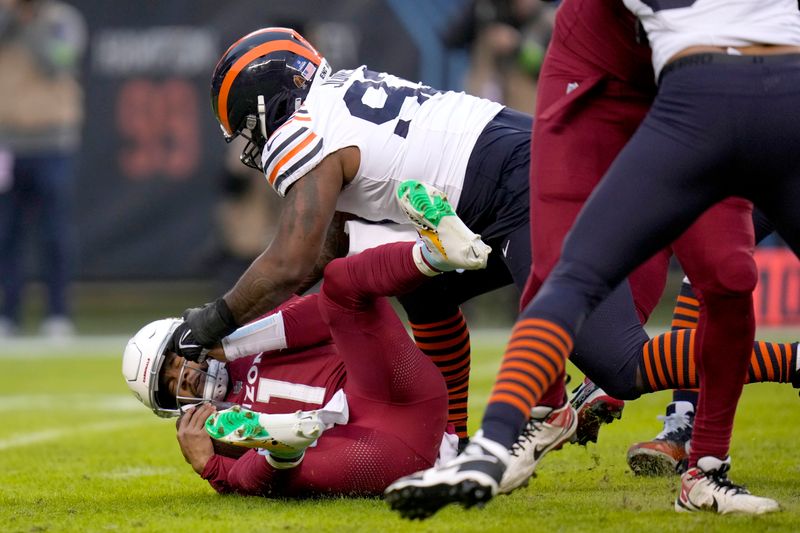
pixel 212 382
pixel 258 128
pixel 256 139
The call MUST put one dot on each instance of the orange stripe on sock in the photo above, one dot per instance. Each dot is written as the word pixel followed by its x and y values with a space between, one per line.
pixel 683 324
pixel 512 401
pixel 547 325
pixel 767 360
pixel 522 369
pixel 694 302
pixel 659 370
pixel 688 312
pixel 756 366
pixel 464 365
pixel 459 396
pixel 532 350
pixel 556 364
pixel 529 358
pixel 680 355
pixel 526 393
pixel 786 361
pixel 441 345
pixel 692 370
pixel 446 358
pixel 648 369
pixel 441 332
pixel 440 323
pixel 520 341
pixel 667 349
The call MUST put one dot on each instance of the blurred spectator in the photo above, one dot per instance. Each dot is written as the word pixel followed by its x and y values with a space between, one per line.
pixel 246 216
pixel 41 113
pixel 507 40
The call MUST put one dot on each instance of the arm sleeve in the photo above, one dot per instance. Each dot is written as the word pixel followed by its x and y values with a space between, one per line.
pixel 297 324
pixel 249 475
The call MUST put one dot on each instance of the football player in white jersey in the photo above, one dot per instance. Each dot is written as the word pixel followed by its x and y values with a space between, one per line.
pixel 343 142
pixel 728 74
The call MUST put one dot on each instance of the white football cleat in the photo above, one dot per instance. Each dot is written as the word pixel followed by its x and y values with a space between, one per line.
pixel 547 429
pixel 448 244
pixel 706 488
pixel 283 435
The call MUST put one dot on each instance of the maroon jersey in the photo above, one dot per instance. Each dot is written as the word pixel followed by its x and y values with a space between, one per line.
pixel 284 381
pixel 605 34
pixel 396 398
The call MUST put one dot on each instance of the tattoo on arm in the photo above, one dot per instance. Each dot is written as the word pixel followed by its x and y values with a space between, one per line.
pixel 337 244
pixel 282 268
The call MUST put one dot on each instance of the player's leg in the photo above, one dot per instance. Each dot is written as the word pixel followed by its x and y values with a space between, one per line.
pixel 358 459
pixel 600 251
pixel 363 324
pixel 441 332
pixel 668 362
pixel 383 363
pixel 574 142
pixel 667 453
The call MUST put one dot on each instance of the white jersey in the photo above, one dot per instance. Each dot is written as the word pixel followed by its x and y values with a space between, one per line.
pixel 681 24
pixel 403 131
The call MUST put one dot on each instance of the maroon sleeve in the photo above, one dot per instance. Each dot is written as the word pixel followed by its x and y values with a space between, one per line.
pixel 303 323
pixel 250 474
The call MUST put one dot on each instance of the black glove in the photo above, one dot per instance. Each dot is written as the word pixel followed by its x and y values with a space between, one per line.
pixel 184 344
pixel 202 328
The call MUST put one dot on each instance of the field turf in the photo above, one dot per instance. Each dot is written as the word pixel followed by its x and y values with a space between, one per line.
pixel 78 453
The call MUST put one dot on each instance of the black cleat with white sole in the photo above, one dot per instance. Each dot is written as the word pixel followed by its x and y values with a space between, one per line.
pixel 471 480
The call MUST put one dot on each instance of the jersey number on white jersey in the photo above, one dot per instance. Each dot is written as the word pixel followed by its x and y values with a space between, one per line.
pixel 378 101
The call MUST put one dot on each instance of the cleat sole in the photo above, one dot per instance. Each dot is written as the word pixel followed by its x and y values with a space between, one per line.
pixel 419 503
pixel 651 463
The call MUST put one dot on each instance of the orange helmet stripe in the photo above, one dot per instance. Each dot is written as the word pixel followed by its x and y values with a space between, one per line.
pixel 242 62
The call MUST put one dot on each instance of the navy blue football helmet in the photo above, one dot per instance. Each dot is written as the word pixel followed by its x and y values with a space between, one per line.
pixel 260 82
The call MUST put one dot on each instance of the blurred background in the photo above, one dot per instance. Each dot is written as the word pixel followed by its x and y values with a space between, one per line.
pixel 121 203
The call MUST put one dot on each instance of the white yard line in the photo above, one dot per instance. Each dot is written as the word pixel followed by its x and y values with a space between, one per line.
pixel 38 437
pixel 85 346
pixel 136 471
pixel 71 402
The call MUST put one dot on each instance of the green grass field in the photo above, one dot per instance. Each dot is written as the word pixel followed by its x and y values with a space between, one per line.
pixel 78 453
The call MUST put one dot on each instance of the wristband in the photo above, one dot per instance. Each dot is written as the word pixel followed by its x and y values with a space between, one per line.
pixel 211 323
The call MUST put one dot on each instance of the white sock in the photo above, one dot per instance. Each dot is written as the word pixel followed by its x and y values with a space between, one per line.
pixel 422 264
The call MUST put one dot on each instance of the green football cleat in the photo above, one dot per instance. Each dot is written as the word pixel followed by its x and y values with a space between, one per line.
pixel 283 435
pixel 448 243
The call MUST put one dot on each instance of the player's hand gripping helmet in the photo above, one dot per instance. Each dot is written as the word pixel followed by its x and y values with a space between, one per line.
pixel 143 360
pixel 260 82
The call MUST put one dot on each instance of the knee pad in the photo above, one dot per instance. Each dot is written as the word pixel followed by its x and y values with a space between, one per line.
pixel 335 283
pixel 735 273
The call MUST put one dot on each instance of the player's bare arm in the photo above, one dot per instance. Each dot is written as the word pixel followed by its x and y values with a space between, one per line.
pixel 282 267
pixel 336 245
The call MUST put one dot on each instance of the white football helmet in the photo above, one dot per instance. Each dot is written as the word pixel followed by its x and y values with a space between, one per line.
pixel 143 358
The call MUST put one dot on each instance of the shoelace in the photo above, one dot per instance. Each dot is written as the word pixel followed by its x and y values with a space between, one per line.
pixel 677 427
pixel 723 484
pixel 531 427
